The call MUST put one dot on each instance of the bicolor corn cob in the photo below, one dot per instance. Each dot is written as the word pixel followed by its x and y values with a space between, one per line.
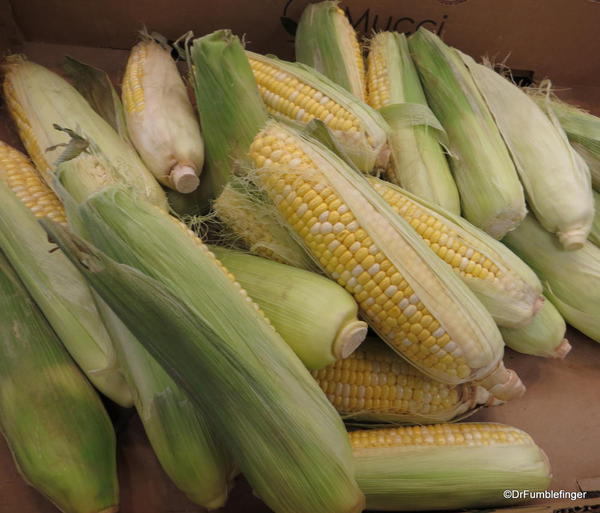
pixel 415 303
pixel 507 287
pixel 160 118
pixel 418 162
pixel 556 180
pixel 59 290
pixel 571 278
pixel 374 384
pixel 40 101
pixel 476 148
pixel 446 466
pixel 326 41
pixel 296 93
pixel 54 422
pixel 228 358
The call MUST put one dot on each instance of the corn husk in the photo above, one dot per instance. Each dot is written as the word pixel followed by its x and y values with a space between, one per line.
pixel 227 357
pixel 428 477
pixel 490 193
pixel 39 99
pixel 219 64
pixel 326 41
pixel 160 117
pixel 513 298
pixel 251 224
pixel 59 434
pixel 316 317
pixel 543 336
pixel 61 294
pixel 418 162
pixel 367 146
pixel 571 279
pixel 594 235
pixel 556 181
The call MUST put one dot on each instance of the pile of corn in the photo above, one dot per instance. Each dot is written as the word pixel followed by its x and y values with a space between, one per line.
pixel 414 196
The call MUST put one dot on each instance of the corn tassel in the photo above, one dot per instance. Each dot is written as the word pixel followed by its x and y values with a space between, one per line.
pixel 59 434
pixel 160 118
pixel 418 162
pixel 446 466
pixel 476 148
pixel 326 41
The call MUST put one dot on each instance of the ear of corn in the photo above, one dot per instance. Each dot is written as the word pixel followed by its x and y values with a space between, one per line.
pixel 160 117
pixel 54 423
pixel 414 302
pixel 298 94
pixel 251 221
pixel 326 41
pixel 316 317
pixel 446 466
pixel 179 433
pixel 557 183
pixel 595 231
pixel 571 279
pixel 375 385
pixel 476 148
pixel 581 127
pixel 38 99
pixel 418 162
pixel 95 86
pixel 229 106
pixel 56 286
pixel 506 286
pixel 543 336
pixel 228 358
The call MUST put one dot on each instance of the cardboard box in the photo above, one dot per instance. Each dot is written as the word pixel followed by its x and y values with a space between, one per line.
pixel 555 38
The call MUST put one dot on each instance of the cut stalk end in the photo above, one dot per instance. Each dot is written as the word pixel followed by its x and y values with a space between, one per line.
pixel 573 239
pixel 184 178
pixel 504 384
pixel 349 338
pixel 562 350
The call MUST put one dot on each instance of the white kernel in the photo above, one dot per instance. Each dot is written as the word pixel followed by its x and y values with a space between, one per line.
pixel 351 282
pixel 324 216
pixel 333 245
pixel 293 96
pixel 328 118
pixel 267 162
pixel 464 261
pixel 370 301
pixel 352 227
pixel 338 227
pixel 281 75
pixel 414 299
pixel 318 187
pixel 450 346
pixel 301 210
pixel 324 100
pixel 358 288
pixel 316 228
pixel 439 332
pixel 391 290
pixel 326 228
pixel 434 348
pixel 300 115
pixel 342 209
pixel 373 270
pixel 346 276
pixel 406 342
pixel 335 276
pixel 277 154
pixel 373 249
pixel 295 162
pixel 403 304
pixel 357 271
pixel 355 247
pixel 410 310
pixel 469 253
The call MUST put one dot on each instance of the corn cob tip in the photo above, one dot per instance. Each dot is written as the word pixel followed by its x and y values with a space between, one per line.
pixel 573 239
pixel 184 178
pixel 503 384
pixel 562 350
pixel 349 338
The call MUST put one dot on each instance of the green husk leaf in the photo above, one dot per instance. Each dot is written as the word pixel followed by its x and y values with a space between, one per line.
pixel 594 235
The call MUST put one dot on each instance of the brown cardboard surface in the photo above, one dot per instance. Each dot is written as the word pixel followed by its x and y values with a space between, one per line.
pixel 556 38
pixel 561 411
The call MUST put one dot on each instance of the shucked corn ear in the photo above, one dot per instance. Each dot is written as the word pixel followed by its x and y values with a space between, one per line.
pixel 38 99
pixel 160 117
pixel 543 336
pixel 374 384
pixel 571 279
pixel 556 181
pixel 418 162
pixel 414 302
pixel 56 427
pixel 477 151
pixel 181 436
pixel 316 317
pixel 252 223
pixel 297 94
pixel 59 290
pixel 326 41
pixel 581 127
pixel 446 466
pixel 228 358
pixel 506 286
pixel 220 65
